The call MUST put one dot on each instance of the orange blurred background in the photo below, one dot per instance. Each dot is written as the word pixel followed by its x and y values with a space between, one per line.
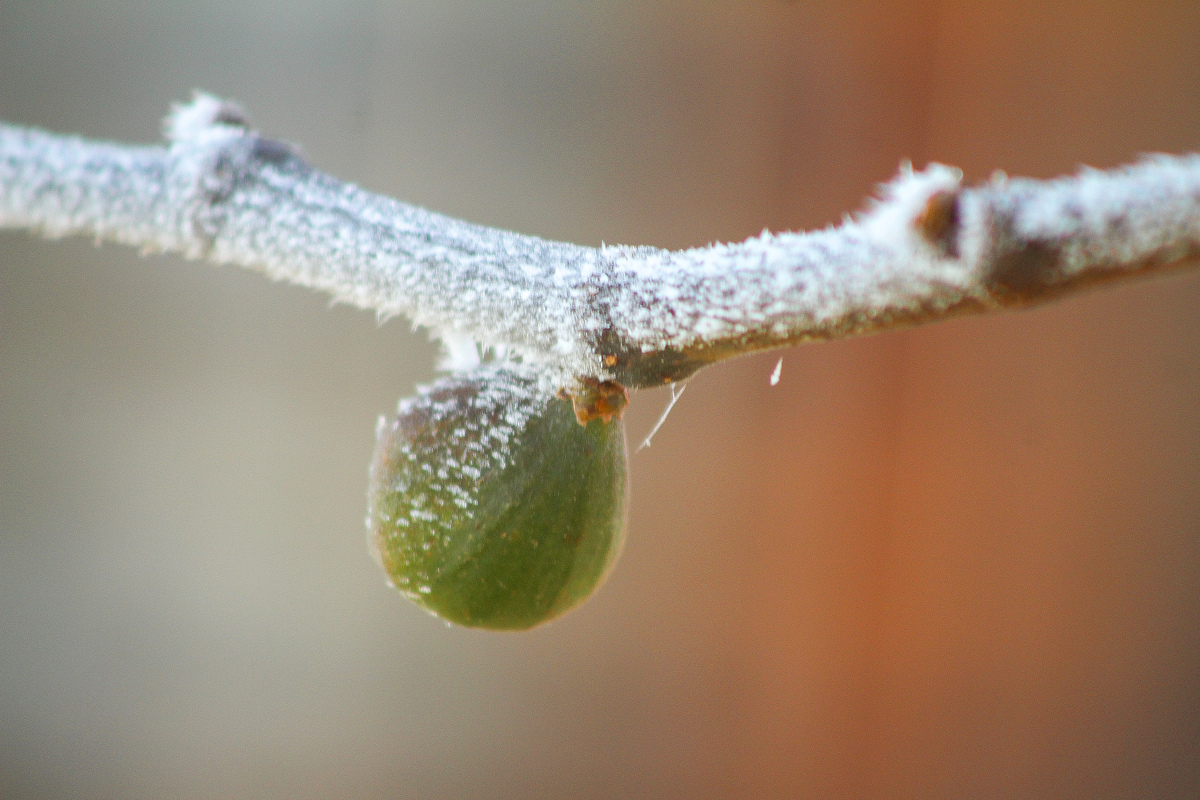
pixel 961 561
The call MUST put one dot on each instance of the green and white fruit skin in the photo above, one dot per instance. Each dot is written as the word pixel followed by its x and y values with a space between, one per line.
pixel 490 505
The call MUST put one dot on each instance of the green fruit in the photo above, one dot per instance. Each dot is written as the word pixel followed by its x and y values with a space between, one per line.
pixel 490 505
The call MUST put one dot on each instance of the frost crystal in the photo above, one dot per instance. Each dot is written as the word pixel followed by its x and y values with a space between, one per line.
pixel 443 444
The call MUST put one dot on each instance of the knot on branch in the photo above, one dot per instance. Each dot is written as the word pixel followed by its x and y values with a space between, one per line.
pixel 215 151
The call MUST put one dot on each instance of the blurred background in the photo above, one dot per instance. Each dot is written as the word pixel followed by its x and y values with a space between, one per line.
pixel 961 561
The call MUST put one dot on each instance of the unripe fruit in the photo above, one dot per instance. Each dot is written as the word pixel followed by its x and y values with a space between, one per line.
pixel 491 505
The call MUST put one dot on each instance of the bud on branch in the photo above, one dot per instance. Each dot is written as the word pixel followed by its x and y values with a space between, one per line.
pixel 498 496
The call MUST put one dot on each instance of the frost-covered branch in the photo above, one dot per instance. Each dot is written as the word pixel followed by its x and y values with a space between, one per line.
pixel 930 248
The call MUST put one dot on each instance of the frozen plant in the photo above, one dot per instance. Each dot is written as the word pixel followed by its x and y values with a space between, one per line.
pixel 497 495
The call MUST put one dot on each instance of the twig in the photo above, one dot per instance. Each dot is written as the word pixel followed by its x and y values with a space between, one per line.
pixel 929 249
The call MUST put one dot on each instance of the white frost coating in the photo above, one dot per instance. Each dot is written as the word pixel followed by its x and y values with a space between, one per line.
pixel 890 218
pixel 635 314
pixel 461 352
pixel 194 121
pixel 439 447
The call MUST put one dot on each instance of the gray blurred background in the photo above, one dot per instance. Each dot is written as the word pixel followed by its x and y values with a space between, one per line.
pixel 955 562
